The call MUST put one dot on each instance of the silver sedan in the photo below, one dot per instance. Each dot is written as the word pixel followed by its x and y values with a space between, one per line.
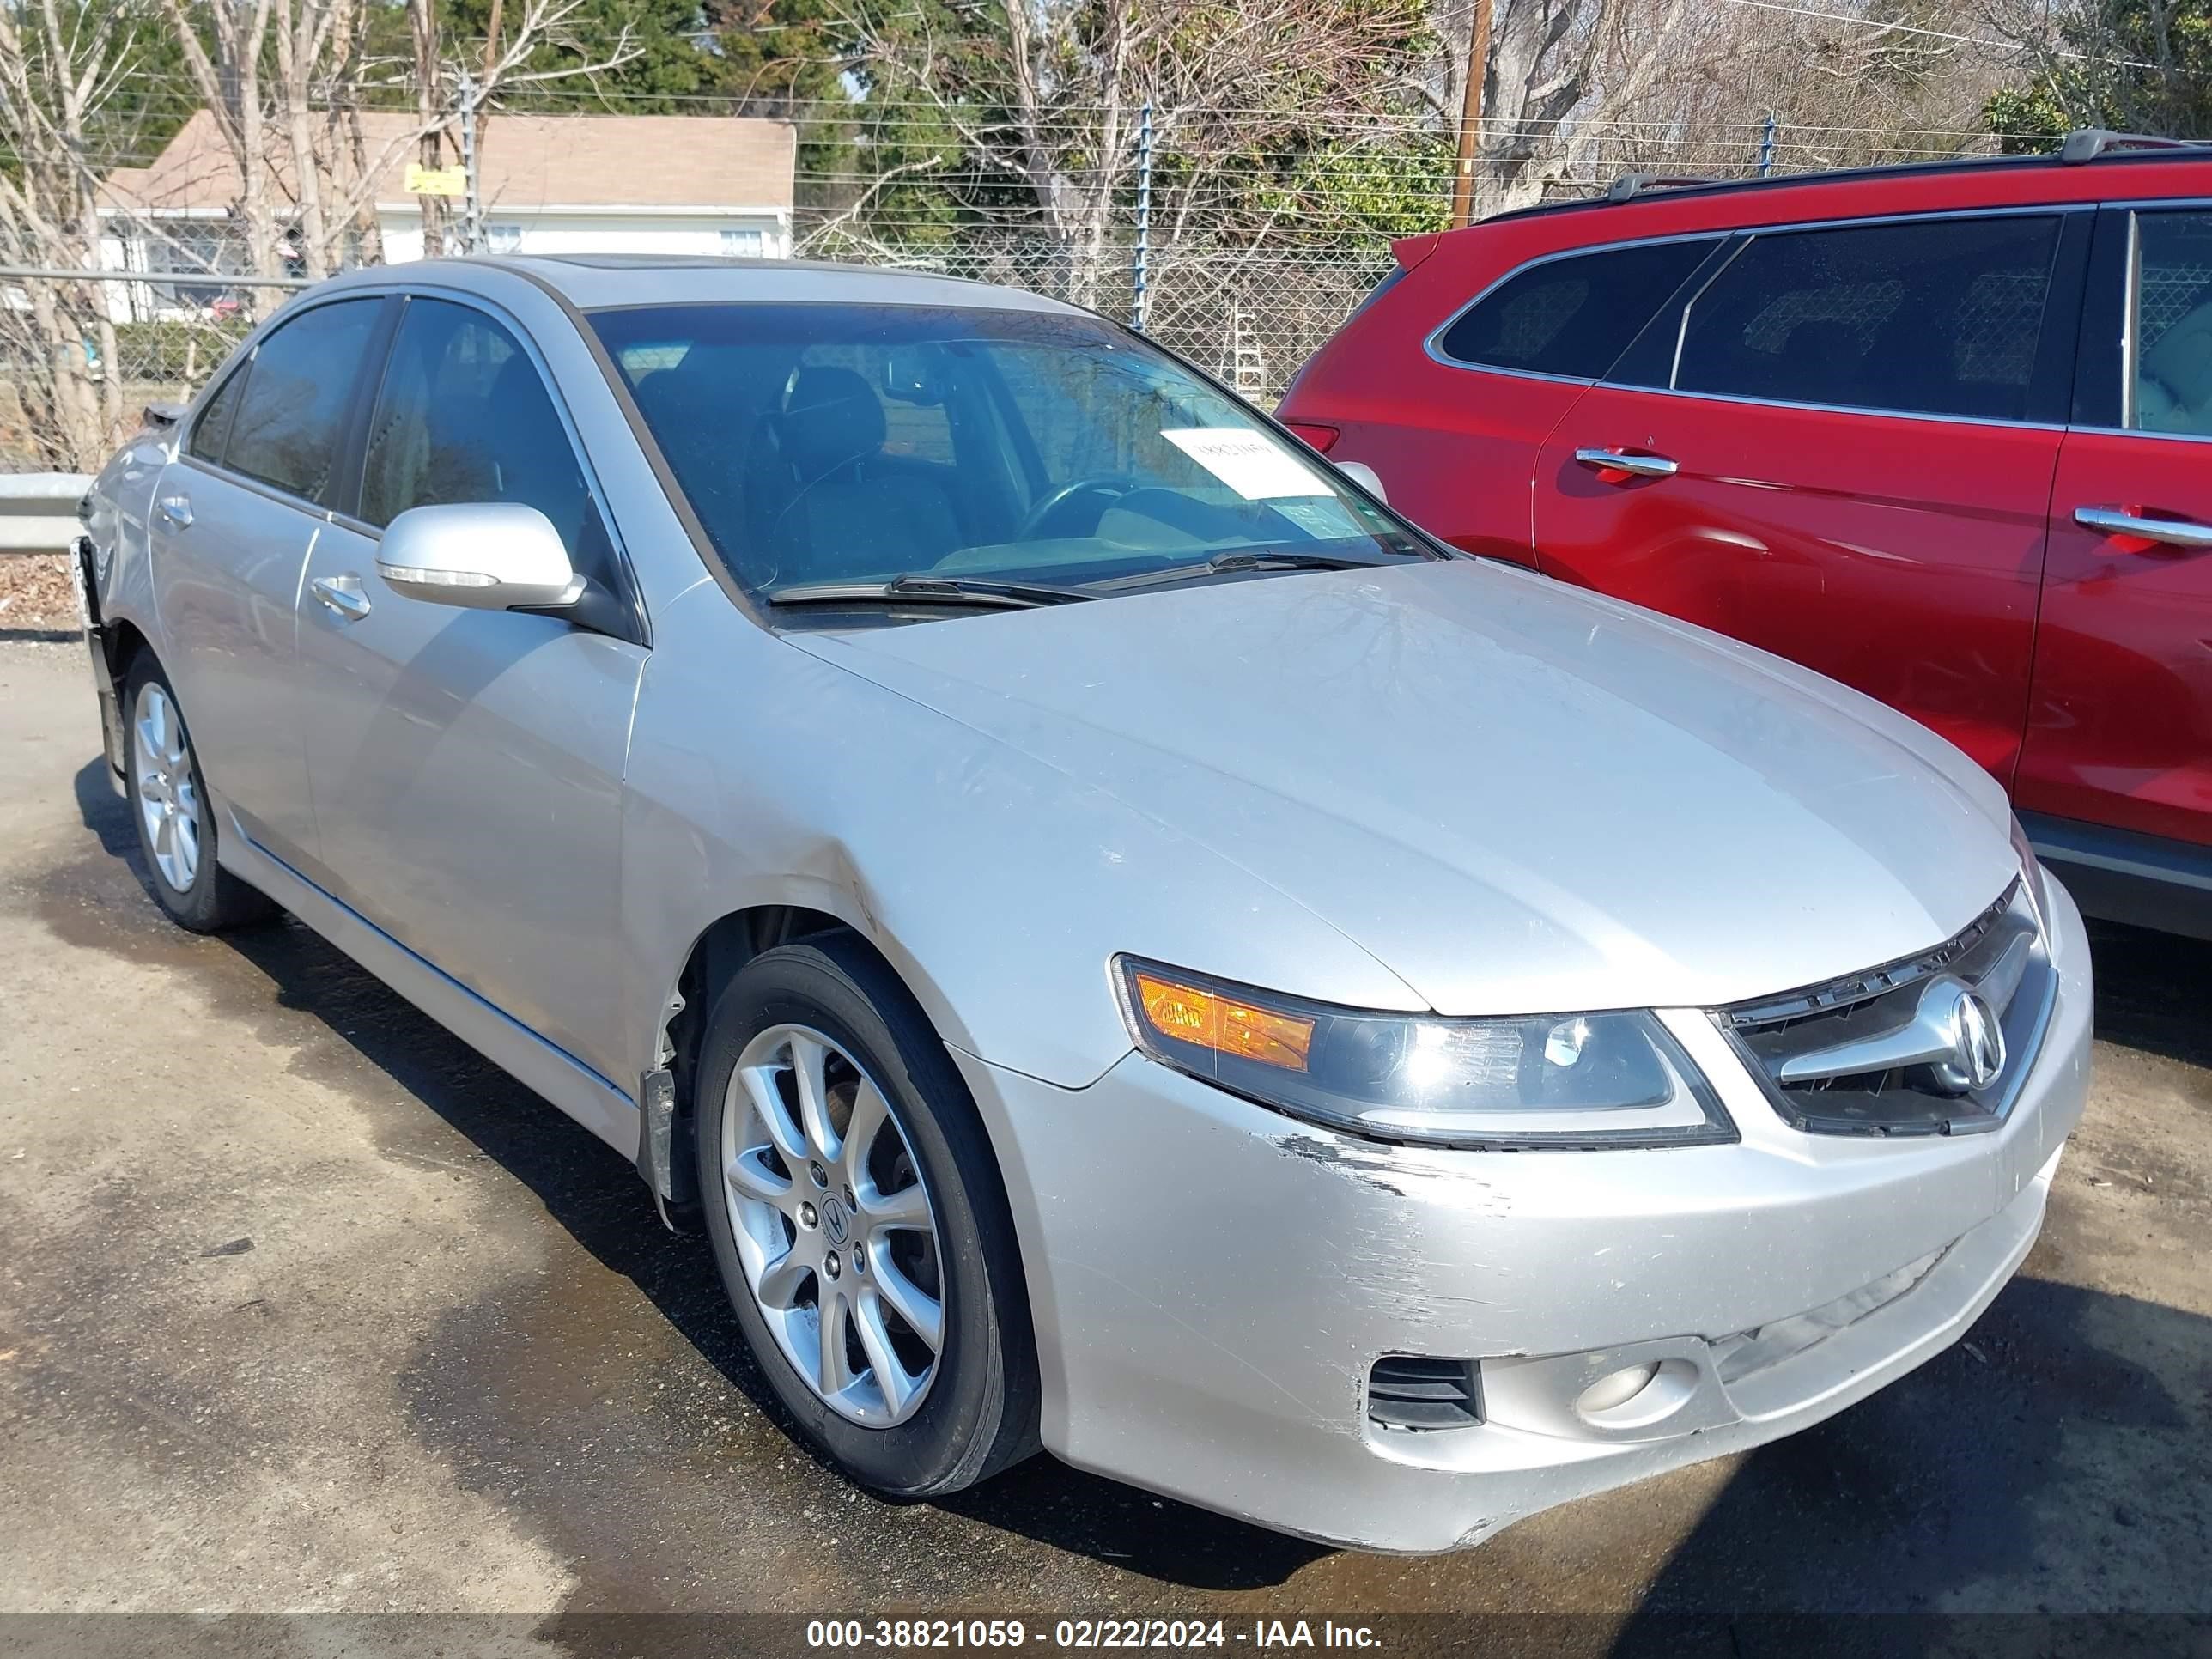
pixel 1124 945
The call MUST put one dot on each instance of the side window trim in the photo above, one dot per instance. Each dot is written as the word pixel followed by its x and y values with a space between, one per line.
pixel 2057 353
pixel 1673 317
pixel 629 596
pixel 1432 344
pixel 344 491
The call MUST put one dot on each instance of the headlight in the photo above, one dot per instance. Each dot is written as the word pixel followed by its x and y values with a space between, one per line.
pixel 2031 876
pixel 1602 1080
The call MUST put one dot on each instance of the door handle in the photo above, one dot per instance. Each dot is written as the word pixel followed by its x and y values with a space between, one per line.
pixel 177 509
pixel 1617 460
pixel 2118 521
pixel 342 594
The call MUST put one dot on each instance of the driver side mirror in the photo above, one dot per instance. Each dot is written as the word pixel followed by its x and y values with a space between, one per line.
pixel 480 556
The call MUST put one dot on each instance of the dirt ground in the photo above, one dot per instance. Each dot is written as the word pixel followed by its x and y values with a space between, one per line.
pixel 34 594
pixel 305 1308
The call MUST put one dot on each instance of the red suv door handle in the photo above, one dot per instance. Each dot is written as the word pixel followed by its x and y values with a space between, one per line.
pixel 1627 465
pixel 2118 521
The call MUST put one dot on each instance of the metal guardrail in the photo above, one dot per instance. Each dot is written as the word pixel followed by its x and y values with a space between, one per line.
pixel 38 511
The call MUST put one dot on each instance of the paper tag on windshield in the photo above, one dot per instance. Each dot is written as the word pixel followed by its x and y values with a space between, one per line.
pixel 1250 463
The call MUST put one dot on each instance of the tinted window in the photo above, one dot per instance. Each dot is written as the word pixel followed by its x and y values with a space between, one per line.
pixel 213 426
pixel 2173 324
pixel 1938 318
pixel 1574 316
pixel 464 416
pixel 846 443
pixel 286 432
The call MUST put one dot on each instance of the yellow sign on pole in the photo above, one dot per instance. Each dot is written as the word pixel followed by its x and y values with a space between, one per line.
pixel 437 181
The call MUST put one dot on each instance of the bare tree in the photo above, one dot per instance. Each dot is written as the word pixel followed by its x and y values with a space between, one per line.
pixel 281 79
pixel 1049 97
pixel 59 70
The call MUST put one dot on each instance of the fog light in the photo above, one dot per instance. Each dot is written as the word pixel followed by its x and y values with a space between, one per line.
pixel 1617 1389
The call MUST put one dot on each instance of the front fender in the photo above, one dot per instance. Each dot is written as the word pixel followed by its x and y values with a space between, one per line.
pixel 998 887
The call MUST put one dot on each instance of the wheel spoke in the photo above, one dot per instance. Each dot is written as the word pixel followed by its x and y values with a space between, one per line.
pixel 869 1110
pixel 749 1176
pixel 185 832
pixel 907 1208
pixel 775 1117
pixel 782 1279
pixel 835 1373
pixel 891 1376
pixel 165 836
pixel 809 1060
pixel 923 1313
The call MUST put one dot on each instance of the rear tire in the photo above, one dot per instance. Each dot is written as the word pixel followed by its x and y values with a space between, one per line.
pixel 884 1225
pixel 169 809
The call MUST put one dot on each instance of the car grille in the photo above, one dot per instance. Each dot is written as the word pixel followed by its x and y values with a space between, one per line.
pixel 1894 1050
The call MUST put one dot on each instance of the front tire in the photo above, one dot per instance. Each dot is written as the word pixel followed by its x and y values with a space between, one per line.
pixel 855 1212
pixel 169 807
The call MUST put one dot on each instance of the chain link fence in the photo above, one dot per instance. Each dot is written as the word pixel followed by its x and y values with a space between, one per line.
pixel 1249 315
pixel 81 354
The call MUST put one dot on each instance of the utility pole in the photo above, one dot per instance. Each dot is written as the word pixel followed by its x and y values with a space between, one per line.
pixel 1470 113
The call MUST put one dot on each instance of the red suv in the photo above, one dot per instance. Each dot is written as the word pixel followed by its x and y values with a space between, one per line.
pixel 1942 431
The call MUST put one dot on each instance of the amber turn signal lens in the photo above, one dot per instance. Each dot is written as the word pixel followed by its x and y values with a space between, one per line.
pixel 1188 1014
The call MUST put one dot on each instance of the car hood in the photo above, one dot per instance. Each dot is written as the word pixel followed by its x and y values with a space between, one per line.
pixel 1517 796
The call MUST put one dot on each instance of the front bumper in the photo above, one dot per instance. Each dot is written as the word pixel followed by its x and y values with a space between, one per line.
pixel 1212 1283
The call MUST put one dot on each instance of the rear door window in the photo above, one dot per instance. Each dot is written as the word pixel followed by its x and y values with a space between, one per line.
pixel 1572 317
pixel 294 407
pixel 1942 316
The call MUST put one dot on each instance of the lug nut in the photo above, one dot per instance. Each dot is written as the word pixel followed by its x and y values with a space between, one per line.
pixel 807 1215
pixel 860 1260
pixel 849 1203
pixel 830 1264
pixel 821 1176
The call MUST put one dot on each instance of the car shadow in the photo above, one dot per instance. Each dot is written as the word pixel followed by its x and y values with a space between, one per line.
pixel 2152 991
pixel 1909 1500
pixel 602 1203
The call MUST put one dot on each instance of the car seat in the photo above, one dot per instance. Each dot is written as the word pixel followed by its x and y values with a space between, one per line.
pixel 850 514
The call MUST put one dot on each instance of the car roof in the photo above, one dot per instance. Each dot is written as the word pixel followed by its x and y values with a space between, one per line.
pixel 591 281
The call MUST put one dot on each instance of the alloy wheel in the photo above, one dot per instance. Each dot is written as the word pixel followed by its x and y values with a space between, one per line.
pixel 834 1227
pixel 161 765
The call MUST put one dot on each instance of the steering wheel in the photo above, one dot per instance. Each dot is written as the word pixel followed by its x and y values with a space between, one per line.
pixel 1114 484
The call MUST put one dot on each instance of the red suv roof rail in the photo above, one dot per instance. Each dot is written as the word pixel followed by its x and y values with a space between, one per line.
pixel 2088 143
pixel 1630 185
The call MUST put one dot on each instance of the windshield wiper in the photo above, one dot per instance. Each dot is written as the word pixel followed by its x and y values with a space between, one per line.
pixel 912 589
pixel 1249 559
pixel 1272 559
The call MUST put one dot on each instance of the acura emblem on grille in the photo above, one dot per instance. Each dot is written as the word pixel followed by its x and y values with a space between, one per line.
pixel 1977 1046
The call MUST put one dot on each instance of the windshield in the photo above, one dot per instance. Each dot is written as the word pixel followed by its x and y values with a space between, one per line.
pixel 828 448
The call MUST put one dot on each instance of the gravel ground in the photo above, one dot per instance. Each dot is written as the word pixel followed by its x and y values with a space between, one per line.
pixel 305 1307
